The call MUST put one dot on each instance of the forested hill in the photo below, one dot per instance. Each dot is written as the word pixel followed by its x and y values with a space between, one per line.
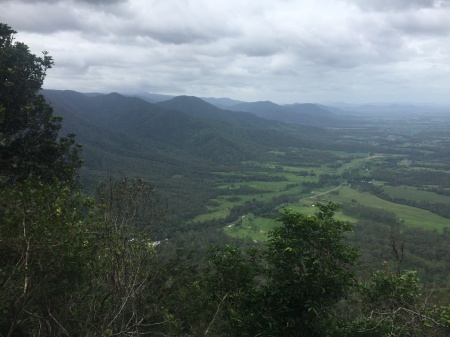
pixel 197 107
pixel 306 113
pixel 185 128
pixel 176 144
pixel 181 126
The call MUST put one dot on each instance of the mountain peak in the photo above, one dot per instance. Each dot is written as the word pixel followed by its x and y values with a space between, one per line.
pixel 190 104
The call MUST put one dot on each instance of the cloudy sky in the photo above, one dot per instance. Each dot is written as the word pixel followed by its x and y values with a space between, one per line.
pixel 285 51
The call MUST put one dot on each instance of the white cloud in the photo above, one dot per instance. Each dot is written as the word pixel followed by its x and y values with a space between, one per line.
pixel 284 51
pixel 399 5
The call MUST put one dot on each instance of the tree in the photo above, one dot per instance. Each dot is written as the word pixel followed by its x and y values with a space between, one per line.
pixel 393 305
pixel 69 265
pixel 230 280
pixel 42 256
pixel 290 288
pixel 41 232
pixel 121 284
pixel 29 141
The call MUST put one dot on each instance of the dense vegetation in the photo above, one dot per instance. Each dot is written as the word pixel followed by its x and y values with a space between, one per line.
pixel 112 257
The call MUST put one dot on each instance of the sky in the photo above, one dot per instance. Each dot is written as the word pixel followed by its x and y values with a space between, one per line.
pixel 285 51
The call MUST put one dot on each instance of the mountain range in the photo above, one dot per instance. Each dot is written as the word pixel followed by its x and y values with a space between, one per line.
pixel 123 124
pixel 182 140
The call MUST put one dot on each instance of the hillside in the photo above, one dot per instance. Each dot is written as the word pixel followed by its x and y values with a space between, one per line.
pixel 173 131
pixel 198 108
pixel 306 114
pixel 176 144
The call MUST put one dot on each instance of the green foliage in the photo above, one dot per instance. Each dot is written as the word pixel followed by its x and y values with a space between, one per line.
pixel 230 281
pixel 79 266
pixel 42 255
pixel 393 305
pixel 441 315
pixel 42 251
pixel 289 288
pixel 120 276
pixel 388 291
pixel 29 141
pixel 131 203
pixel 308 270
pixel 68 265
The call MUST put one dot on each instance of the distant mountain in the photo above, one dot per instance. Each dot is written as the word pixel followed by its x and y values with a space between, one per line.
pixel 301 113
pixel 192 105
pixel 308 109
pixel 263 108
pixel 222 102
pixel 307 114
pixel 115 129
pixel 251 131
pixel 93 93
pixel 136 118
pixel 184 131
pixel 198 108
pixel 389 109
pixel 336 111
pixel 130 136
pixel 153 98
pixel 218 102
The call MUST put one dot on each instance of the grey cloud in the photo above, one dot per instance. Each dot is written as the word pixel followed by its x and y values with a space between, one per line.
pixel 259 39
pixel 258 48
pixel 350 49
pixel 51 17
pixel 183 22
pixel 178 34
pixel 398 5
pixel 93 2
pixel 45 19
pixel 174 35
pixel 294 50
pixel 426 22
pixel 102 2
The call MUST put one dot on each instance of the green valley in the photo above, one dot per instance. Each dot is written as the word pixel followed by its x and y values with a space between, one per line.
pixel 227 175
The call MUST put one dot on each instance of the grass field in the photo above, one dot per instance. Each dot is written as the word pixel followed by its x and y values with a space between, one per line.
pixel 412 193
pixel 410 215
pixel 257 227
pixel 252 227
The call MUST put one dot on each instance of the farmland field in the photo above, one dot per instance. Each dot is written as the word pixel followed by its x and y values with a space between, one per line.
pixel 347 178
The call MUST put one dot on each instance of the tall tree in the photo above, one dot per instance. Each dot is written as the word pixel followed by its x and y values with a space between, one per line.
pixel 303 272
pixel 308 271
pixel 121 284
pixel 69 265
pixel 395 305
pixel 41 233
pixel 42 256
pixel 29 140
